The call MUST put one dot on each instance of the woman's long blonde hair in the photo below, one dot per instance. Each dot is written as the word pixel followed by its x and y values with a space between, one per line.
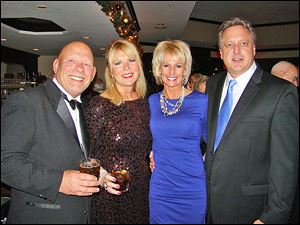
pixel 131 51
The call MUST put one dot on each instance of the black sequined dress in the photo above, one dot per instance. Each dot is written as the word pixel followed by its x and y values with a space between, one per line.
pixel 124 132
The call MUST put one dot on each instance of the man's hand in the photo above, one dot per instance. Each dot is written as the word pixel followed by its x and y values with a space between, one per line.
pixel 80 184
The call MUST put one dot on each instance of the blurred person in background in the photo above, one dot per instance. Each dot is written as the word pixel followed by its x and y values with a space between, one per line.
pixel 287 71
pixel 197 81
pixel 96 87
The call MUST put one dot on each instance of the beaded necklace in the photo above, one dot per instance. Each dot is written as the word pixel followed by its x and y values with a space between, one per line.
pixel 176 107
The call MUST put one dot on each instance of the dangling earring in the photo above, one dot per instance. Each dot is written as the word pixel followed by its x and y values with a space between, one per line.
pixel 183 80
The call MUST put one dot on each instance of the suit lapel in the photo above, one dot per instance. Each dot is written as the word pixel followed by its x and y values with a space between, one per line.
pixel 65 115
pixel 245 100
pixel 216 102
pixel 56 99
pixel 215 106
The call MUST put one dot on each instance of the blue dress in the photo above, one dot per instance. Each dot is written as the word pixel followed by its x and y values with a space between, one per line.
pixel 177 185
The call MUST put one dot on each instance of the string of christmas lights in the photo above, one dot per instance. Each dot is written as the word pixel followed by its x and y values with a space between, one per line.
pixel 124 25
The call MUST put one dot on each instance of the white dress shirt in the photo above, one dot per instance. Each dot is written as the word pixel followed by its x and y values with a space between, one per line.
pixel 239 88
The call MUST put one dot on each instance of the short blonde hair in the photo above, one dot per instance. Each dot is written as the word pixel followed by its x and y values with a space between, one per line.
pixel 131 51
pixel 199 79
pixel 177 49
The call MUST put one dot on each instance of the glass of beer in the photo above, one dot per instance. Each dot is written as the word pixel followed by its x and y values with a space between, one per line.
pixel 90 166
pixel 121 172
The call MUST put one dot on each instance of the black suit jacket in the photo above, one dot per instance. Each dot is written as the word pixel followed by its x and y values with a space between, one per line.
pixel 37 145
pixel 253 173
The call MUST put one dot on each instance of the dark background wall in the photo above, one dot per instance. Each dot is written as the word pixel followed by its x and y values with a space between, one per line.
pixel 28 60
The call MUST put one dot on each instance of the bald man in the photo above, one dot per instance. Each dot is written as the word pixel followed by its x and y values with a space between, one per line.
pixel 287 71
pixel 40 145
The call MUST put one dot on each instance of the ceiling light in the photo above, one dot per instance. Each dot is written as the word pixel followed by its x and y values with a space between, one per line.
pixel 160 26
pixel 42 6
pixel 35 49
pixel 3 39
pixel 40 33
pixel 86 37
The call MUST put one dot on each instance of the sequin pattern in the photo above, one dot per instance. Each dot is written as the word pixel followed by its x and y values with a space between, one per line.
pixel 124 132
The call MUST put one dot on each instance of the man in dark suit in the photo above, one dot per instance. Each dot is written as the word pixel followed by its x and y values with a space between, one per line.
pixel 252 171
pixel 289 72
pixel 40 145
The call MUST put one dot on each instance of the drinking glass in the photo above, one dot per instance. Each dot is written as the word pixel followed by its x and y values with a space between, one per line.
pixel 120 171
pixel 90 166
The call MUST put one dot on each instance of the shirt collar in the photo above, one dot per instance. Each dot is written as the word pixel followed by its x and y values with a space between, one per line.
pixel 64 91
pixel 244 78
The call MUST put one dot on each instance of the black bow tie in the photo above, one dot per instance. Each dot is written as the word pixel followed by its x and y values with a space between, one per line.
pixel 73 103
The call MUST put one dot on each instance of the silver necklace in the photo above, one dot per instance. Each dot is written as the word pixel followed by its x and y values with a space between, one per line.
pixel 169 103
pixel 176 107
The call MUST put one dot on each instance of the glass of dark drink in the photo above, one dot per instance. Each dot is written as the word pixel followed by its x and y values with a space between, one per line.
pixel 121 172
pixel 90 166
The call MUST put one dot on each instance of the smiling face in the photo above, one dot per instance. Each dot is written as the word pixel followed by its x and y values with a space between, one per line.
pixel 172 71
pixel 74 68
pixel 124 69
pixel 237 50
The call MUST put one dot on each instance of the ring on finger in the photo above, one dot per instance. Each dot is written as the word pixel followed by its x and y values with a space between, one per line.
pixel 105 186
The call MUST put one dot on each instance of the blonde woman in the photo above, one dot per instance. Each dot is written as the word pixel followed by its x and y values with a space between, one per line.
pixel 118 123
pixel 178 121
